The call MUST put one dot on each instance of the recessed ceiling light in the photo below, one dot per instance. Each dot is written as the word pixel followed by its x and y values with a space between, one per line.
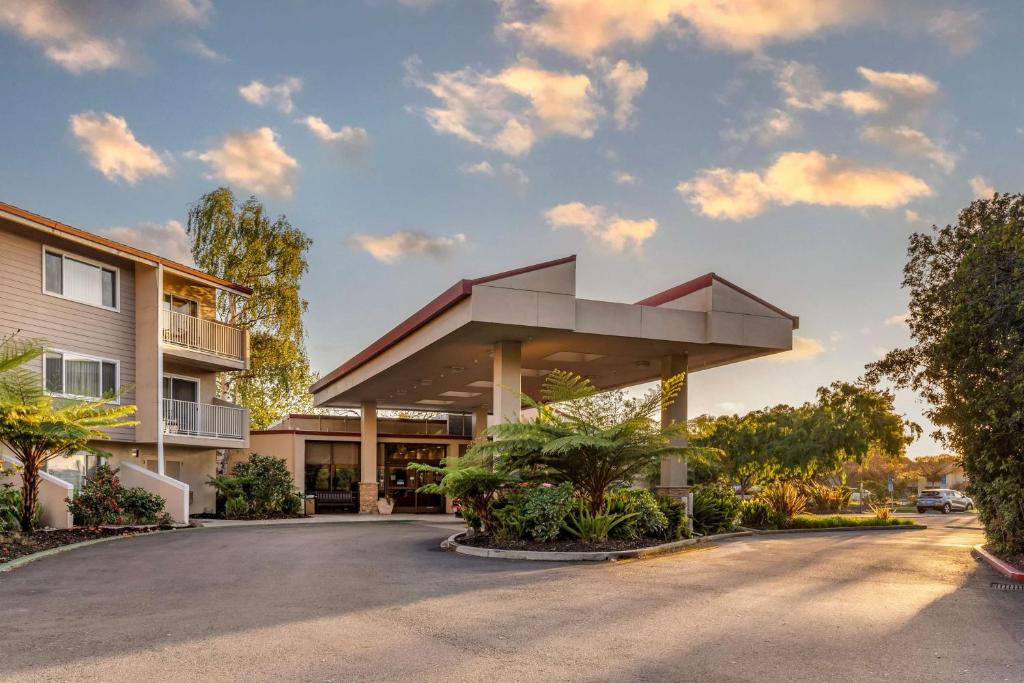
pixel 434 402
pixel 481 383
pixel 461 394
pixel 573 357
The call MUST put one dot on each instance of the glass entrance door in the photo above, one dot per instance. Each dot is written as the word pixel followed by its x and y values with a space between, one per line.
pixel 401 484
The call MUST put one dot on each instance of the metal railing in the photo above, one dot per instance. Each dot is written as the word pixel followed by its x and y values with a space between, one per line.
pixel 187 418
pixel 208 336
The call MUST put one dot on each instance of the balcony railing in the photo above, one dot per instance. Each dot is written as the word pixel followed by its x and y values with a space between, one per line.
pixel 186 418
pixel 208 336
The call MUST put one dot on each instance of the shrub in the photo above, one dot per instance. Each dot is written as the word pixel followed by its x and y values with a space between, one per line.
pixel 590 527
pixel 473 482
pixel 237 507
pixel 757 514
pixel 544 510
pixel 510 522
pixel 824 498
pixel 881 511
pixel 263 484
pixel 677 521
pixel 833 521
pixel 10 508
pixel 715 508
pixel 784 498
pixel 649 520
pixel 103 500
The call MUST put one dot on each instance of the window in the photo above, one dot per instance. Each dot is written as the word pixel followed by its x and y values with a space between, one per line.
pixel 181 305
pixel 79 376
pixel 74 468
pixel 79 280
pixel 181 389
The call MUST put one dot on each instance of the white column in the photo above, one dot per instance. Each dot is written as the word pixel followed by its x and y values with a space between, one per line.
pixel 160 370
pixel 479 421
pixel 507 381
pixel 368 457
pixel 673 469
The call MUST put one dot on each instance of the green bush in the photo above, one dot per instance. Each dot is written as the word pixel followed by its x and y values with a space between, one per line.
pixel 103 500
pixel 677 521
pixel 757 514
pixel 825 498
pixel 10 508
pixel 236 507
pixel 263 484
pixel 544 509
pixel 649 520
pixel 715 508
pixel 591 528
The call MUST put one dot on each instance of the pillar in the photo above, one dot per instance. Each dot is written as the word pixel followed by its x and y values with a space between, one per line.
pixel 479 421
pixel 507 381
pixel 673 481
pixel 451 456
pixel 368 458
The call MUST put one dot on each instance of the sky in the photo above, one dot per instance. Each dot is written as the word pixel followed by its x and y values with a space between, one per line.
pixel 791 146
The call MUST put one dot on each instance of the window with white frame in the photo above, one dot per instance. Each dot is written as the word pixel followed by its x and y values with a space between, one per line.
pixel 68 374
pixel 79 279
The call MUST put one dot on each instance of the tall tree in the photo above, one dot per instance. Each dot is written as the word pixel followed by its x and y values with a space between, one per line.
pixel 966 319
pixel 846 424
pixel 238 241
pixel 37 428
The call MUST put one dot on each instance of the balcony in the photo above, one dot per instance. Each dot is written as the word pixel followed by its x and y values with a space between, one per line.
pixel 202 421
pixel 207 343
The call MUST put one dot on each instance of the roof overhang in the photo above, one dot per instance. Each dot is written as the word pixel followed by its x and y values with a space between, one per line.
pixel 441 357
pixel 114 248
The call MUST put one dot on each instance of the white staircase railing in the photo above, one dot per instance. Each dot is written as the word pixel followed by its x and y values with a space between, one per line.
pixel 186 418
pixel 208 336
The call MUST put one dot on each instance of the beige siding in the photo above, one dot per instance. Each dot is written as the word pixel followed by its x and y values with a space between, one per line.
pixel 63 324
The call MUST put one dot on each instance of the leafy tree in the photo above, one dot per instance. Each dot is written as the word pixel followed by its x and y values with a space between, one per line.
pixel 37 428
pixel 239 242
pixel 589 439
pixel 474 481
pixel 845 424
pixel 966 319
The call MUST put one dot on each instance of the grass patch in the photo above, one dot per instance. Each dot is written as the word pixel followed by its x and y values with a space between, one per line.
pixel 832 521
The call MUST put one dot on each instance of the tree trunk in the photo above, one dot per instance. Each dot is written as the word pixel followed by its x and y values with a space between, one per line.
pixel 29 495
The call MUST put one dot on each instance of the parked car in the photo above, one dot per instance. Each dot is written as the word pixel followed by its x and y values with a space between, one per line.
pixel 943 500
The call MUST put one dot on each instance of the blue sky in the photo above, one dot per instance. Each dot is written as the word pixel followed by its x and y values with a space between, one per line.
pixel 791 147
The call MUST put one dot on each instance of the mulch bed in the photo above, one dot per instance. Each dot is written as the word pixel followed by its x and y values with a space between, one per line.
pixel 1015 561
pixel 562 546
pixel 15 545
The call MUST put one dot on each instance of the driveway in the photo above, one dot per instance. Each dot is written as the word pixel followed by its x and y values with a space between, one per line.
pixel 356 602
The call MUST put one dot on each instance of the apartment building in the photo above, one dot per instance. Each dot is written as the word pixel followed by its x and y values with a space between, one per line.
pixel 116 319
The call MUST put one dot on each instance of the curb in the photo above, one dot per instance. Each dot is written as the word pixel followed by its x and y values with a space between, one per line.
pixel 888 527
pixel 26 559
pixel 199 523
pixel 1004 568
pixel 451 543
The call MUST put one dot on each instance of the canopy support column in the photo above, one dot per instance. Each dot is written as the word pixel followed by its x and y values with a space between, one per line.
pixel 673 480
pixel 507 381
pixel 368 458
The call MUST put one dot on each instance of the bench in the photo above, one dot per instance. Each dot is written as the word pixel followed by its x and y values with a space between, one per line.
pixel 335 498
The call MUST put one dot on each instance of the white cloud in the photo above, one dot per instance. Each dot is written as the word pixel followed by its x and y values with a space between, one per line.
pixel 770 126
pixel 199 48
pixel 253 160
pixel 513 176
pixel 279 96
pixel 350 142
pixel 584 28
pixel 627 82
pixel 910 85
pixel 901 319
pixel 911 216
pixel 800 178
pixel 595 221
pixel 93 36
pixel 512 109
pixel 113 149
pixel 624 178
pixel 907 140
pixel 731 407
pixel 398 245
pixel 957 28
pixel 981 188
pixel 804 349
pixel 166 239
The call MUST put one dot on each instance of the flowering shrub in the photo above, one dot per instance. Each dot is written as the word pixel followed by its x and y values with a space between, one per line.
pixel 103 500
pixel 258 488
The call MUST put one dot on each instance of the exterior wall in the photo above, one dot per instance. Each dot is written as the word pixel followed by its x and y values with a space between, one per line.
pixel 192 465
pixel 61 323
pixel 954 480
pixel 52 495
pixel 205 295
pixel 175 493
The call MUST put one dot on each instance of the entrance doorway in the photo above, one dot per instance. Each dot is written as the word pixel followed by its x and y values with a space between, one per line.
pixel 332 474
pixel 401 484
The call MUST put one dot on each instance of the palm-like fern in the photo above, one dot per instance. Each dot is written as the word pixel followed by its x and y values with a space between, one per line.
pixel 589 439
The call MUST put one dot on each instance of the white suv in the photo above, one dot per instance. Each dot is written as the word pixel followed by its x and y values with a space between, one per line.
pixel 943 500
